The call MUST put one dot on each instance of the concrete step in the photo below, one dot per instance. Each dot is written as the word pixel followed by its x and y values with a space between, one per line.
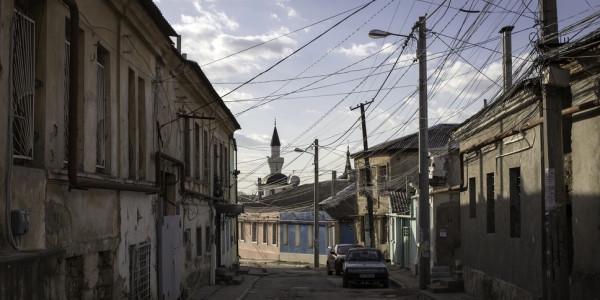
pixel 457 275
pixel 242 270
pixel 220 271
pixel 440 271
pixel 454 286
pixel 237 280
pixel 437 288
pixel 228 276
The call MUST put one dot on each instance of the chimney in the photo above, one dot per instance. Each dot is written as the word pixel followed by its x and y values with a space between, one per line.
pixel 179 43
pixel 507 56
pixel 333 181
pixel 484 103
pixel 184 56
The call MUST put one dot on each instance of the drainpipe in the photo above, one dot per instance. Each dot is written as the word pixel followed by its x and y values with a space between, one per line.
pixel 507 56
pixel 515 130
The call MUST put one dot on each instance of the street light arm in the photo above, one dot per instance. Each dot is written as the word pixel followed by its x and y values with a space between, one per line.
pixel 377 34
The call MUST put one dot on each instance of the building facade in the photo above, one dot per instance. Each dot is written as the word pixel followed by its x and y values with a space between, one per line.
pixel 122 181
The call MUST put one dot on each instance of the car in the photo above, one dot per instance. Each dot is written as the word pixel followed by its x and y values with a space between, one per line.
pixel 365 265
pixel 336 257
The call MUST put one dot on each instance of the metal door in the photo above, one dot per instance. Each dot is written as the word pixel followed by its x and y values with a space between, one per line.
pixel 406 246
pixel 170 262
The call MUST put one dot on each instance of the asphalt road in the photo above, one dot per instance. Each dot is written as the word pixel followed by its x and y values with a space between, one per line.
pixel 295 283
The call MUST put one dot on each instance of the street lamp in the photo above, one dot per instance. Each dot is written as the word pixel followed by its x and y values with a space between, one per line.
pixel 424 251
pixel 316 196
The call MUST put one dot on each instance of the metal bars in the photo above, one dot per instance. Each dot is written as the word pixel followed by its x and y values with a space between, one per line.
pixel 23 85
pixel 140 271
pixel 100 120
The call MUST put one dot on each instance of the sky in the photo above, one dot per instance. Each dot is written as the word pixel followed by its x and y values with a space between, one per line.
pixel 311 61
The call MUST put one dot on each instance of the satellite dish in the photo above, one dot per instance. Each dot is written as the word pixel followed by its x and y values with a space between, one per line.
pixel 293 180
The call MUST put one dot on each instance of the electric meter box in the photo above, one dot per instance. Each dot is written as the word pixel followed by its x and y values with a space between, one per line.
pixel 19 222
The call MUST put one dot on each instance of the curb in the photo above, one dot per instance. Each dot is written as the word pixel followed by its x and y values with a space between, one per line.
pixel 248 289
pixel 396 283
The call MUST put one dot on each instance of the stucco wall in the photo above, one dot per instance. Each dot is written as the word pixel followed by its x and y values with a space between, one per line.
pixel 258 249
pixel 585 274
pixel 514 260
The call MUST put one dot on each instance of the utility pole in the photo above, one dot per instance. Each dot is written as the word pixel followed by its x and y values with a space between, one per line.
pixel 316 221
pixel 554 83
pixel 370 237
pixel 424 253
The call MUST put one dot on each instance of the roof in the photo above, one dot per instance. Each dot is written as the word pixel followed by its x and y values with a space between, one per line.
pixel 211 89
pixel 343 205
pixel 158 18
pixel 275 139
pixel 400 203
pixel 439 136
pixel 300 198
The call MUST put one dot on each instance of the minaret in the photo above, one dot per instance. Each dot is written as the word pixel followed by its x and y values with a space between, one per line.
pixel 275 162
pixel 348 168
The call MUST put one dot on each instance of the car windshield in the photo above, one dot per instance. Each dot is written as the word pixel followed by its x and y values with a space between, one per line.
pixel 364 255
pixel 344 249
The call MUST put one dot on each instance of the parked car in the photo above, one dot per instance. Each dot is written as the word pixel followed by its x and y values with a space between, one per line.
pixel 336 257
pixel 365 265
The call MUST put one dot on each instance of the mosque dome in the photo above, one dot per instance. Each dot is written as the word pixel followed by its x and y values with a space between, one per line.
pixel 275 178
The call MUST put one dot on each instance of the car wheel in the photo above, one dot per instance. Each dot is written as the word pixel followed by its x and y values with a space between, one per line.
pixel 345 282
pixel 329 271
pixel 386 283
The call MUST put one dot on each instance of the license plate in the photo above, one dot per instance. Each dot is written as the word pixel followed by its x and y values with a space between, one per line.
pixel 367 275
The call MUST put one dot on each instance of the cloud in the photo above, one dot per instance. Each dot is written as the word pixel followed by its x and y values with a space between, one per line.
pixel 210 34
pixel 360 50
pixel 312 111
pixel 274 16
pixel 291 12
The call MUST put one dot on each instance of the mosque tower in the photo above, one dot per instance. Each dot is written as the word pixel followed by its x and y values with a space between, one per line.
pixel 275 161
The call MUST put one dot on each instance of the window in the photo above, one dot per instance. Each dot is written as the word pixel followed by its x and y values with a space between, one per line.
pixel 472 198
pixel 242 231
pixel 327 236
pixel 100 112
pixel 310 236
pixel 132 125
pixel 207 238
pixel 23 85
pixel 285 234
pixel 199 241
pixel 274 239
pixel 271 192
pixel 205 160
pixel 254 232
pixel 187 146
pixel 515 202
pixel 490 198
pixel 383 231
pixel 297 235
pixel 265 228
pixel 140 271
pixel 197 151
pixel 188 243
pixel 141 127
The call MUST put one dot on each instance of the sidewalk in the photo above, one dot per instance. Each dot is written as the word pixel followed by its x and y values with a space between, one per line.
pixel 405 279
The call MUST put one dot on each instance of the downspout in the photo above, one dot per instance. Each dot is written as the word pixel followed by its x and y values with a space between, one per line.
pixel 515 130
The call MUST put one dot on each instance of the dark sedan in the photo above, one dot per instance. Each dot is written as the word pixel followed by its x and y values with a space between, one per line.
pixel 366 265
pixel 336 257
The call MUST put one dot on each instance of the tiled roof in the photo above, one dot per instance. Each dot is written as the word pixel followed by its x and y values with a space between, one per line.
pixel 439 136
pixel 300 198
pixel 400 202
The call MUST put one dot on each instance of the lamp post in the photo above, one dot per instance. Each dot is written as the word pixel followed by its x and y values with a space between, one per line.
pixel 424 251
pixel 316 196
